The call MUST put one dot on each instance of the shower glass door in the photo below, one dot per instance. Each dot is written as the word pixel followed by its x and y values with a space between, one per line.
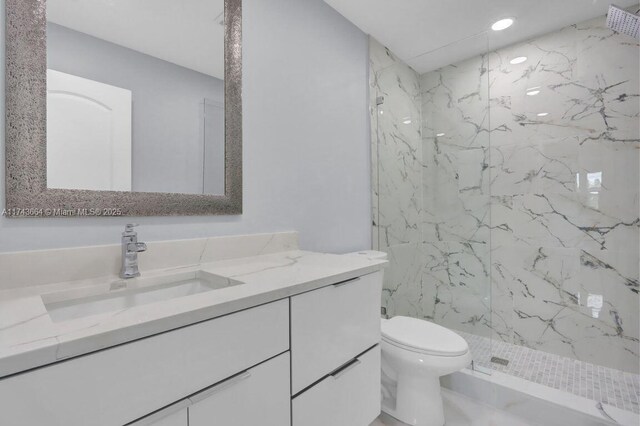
pixel 431 135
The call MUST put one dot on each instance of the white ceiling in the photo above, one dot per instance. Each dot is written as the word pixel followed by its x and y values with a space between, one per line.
pixel 184 32
pixel 418 31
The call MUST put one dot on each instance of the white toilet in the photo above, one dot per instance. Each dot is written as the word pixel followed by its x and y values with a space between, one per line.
pixel 415 353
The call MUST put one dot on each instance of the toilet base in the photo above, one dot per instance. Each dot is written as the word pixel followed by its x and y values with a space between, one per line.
pixel 418 401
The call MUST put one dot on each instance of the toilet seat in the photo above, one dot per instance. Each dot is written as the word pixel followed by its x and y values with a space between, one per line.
pixel 422 336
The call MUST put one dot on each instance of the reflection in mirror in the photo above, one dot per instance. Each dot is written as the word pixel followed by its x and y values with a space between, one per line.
pixel 135 95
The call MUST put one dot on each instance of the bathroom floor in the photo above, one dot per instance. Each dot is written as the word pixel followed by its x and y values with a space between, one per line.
pixel 460 410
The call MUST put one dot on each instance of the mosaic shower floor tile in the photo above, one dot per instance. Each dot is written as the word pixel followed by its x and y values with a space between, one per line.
pixel 607 385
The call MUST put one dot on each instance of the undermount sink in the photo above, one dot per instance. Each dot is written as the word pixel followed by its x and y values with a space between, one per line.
pixel 124 294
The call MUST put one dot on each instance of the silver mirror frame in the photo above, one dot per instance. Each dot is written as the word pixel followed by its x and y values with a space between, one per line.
pixel 27 194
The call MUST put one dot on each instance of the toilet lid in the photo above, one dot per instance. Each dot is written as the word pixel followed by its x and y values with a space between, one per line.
pixel 423 336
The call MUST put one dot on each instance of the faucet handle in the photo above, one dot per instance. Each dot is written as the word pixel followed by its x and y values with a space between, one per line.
pixel 128 229
pixel 136 247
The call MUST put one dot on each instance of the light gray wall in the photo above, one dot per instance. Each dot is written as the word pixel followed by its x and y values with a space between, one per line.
pixel 306 141
pixel 167 126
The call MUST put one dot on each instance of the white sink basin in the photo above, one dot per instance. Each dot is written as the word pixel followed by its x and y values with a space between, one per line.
pixel 124 294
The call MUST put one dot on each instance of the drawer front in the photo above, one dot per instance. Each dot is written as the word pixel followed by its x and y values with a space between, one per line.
pixel 349 398
pixel 121 384
pixel 260 396
pixel 332 325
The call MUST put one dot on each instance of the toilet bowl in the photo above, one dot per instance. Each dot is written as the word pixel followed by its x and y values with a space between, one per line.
pixel 415 353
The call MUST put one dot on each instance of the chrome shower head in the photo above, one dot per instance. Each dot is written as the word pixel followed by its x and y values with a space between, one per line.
pixel 623 22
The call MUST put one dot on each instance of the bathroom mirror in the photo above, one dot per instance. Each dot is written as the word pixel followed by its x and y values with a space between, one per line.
pixel 120 107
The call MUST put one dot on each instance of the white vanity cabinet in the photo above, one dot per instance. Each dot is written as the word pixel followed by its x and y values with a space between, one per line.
pixel 348 397
pixel 331 326
pixel 335 367
pixel 259 396
pixel 311 359
pixel 119 385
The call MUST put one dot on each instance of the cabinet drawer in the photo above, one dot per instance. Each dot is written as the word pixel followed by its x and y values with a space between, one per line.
pixel 259 396
pixel 332 325
pixel 350 397
pixel 121 384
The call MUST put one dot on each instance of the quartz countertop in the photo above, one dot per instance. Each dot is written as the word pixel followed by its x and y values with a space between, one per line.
pixel 29 338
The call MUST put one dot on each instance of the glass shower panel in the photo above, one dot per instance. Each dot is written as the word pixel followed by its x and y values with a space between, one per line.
pixel 456 216
pixel 431 187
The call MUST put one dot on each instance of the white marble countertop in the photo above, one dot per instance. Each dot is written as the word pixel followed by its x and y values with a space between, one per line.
pixel 29 338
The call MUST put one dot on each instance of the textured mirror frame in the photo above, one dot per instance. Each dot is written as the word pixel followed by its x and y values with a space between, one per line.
pixel 27 194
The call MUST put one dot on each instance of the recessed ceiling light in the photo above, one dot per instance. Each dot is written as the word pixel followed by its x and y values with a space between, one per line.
pixel 518 60
pixel 502 24
pixel 543 114
pixel 440 135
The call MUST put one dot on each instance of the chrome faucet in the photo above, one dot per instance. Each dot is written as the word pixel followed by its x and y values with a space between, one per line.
pixel 130 249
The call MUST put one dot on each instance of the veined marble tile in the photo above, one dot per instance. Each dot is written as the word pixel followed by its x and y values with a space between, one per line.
pixel 564 166
pixel 455 104
pixel 550 166
pixel 456 157
pixel 456 197
pixel 607 68
pixel 550 184
pixel 569 302
pixel 564 187
pixel 586 77
pixel 564 221
pixel 397 141
pixel 402 293
pixel 456 279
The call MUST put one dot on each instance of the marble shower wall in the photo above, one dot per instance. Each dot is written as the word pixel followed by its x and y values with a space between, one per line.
pixel 565 195
pixel 397 175
pixel 439 259
pixel 559 181
pixel 502 222
pixel 456 193
pixel 396 128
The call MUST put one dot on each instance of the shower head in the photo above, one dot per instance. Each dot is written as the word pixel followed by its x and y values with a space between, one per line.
pixel 623 22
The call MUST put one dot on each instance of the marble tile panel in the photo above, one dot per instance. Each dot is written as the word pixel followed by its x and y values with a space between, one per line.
pixel 564 221
pixel 455 193
pixel 455 104
pixel 567 301
pixel 402 292
pixel 456 279
pixel 539 162
pixel 397 142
